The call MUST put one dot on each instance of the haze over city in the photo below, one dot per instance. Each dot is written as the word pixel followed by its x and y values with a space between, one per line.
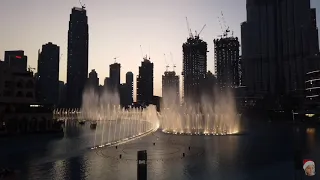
pixel 118 30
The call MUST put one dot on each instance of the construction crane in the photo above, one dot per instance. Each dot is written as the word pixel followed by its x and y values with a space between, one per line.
pixel 115 59
pixel 189 30
pixel 226 28
pixel 165 59
pixel 197 35
pixel 83 6
pixel 173 65
pixel 222 30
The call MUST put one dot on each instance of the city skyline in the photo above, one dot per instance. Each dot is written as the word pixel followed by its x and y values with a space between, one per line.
pixel 134 28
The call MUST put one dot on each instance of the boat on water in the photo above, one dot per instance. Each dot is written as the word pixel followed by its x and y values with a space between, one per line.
pixel 82 122
pixel 93 125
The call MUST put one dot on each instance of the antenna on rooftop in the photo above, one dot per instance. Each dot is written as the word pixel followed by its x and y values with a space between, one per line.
pixel 167 65
pixel 141 52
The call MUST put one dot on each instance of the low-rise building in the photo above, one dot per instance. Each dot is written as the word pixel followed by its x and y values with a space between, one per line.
pixel 19 112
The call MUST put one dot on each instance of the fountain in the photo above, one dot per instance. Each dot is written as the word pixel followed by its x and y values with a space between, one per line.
pixel 117 125
pixel 208 117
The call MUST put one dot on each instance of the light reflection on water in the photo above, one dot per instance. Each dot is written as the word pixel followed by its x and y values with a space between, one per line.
pixel 250 156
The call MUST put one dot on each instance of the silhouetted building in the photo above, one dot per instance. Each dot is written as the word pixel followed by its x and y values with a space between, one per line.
pixel 170 87
pixel 19 112
pixel 129 82
pixel 114 74
pixel 156 100
pixel 107 83
pixel 125 95
pixel 16 87
pixel 314 29
pixel 48 74
pixel 77 70
pixel 276 39
pixel 145 82
pixel 209 85
pixel 93 80
pixel 62 94
pixel 194 67
pixel 16 60
pixel 227 64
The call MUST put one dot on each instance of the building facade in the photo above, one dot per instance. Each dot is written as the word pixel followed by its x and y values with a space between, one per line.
pixel 194 68
pixel 62 94
pixel 129 82
pixel 170 87
pixel 93 80
pixel 227 62
pixel 19 112
pixel 16 60
pixel 114 75
pixel 276 38
pixel 125 95
pixel 77 66
pixel 145 82
pixel 48 74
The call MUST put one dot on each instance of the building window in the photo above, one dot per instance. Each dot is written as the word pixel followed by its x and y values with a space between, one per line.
pixel 7 84
pixel 19 94
pixel 30 84
pixel 7 93
pixel 19 84
pixel 29 95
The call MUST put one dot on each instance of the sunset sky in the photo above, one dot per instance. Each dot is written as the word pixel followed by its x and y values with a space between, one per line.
pixel 117 28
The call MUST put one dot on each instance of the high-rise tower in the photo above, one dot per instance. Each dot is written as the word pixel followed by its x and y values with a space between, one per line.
pixel 77 70
pixel 114 74
pixel 227 62
pixel 48 74
pixel 170 87
pixel 194 67
pixel 145 82
pixel 276 39
pixel 129 82
pixel 93 80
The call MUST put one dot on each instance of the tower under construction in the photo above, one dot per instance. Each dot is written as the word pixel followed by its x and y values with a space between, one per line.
pixel 227 62
pixel 145 82
pixel 194 68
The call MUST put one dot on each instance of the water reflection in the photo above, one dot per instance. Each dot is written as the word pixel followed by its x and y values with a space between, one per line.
pixel 251 156
pixel 59 169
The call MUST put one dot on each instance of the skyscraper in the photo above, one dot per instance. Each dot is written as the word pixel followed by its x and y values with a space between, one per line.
pixel 16 60
pixel 106 84
pixel 227 61
pixel 48 74
pixel 145 82
pixel 170 87
pixel 114 75
pixel 276 38
pixel 62 94
pixel 77 70
pixel 93 80
pixel 129 82
pixel 194 67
